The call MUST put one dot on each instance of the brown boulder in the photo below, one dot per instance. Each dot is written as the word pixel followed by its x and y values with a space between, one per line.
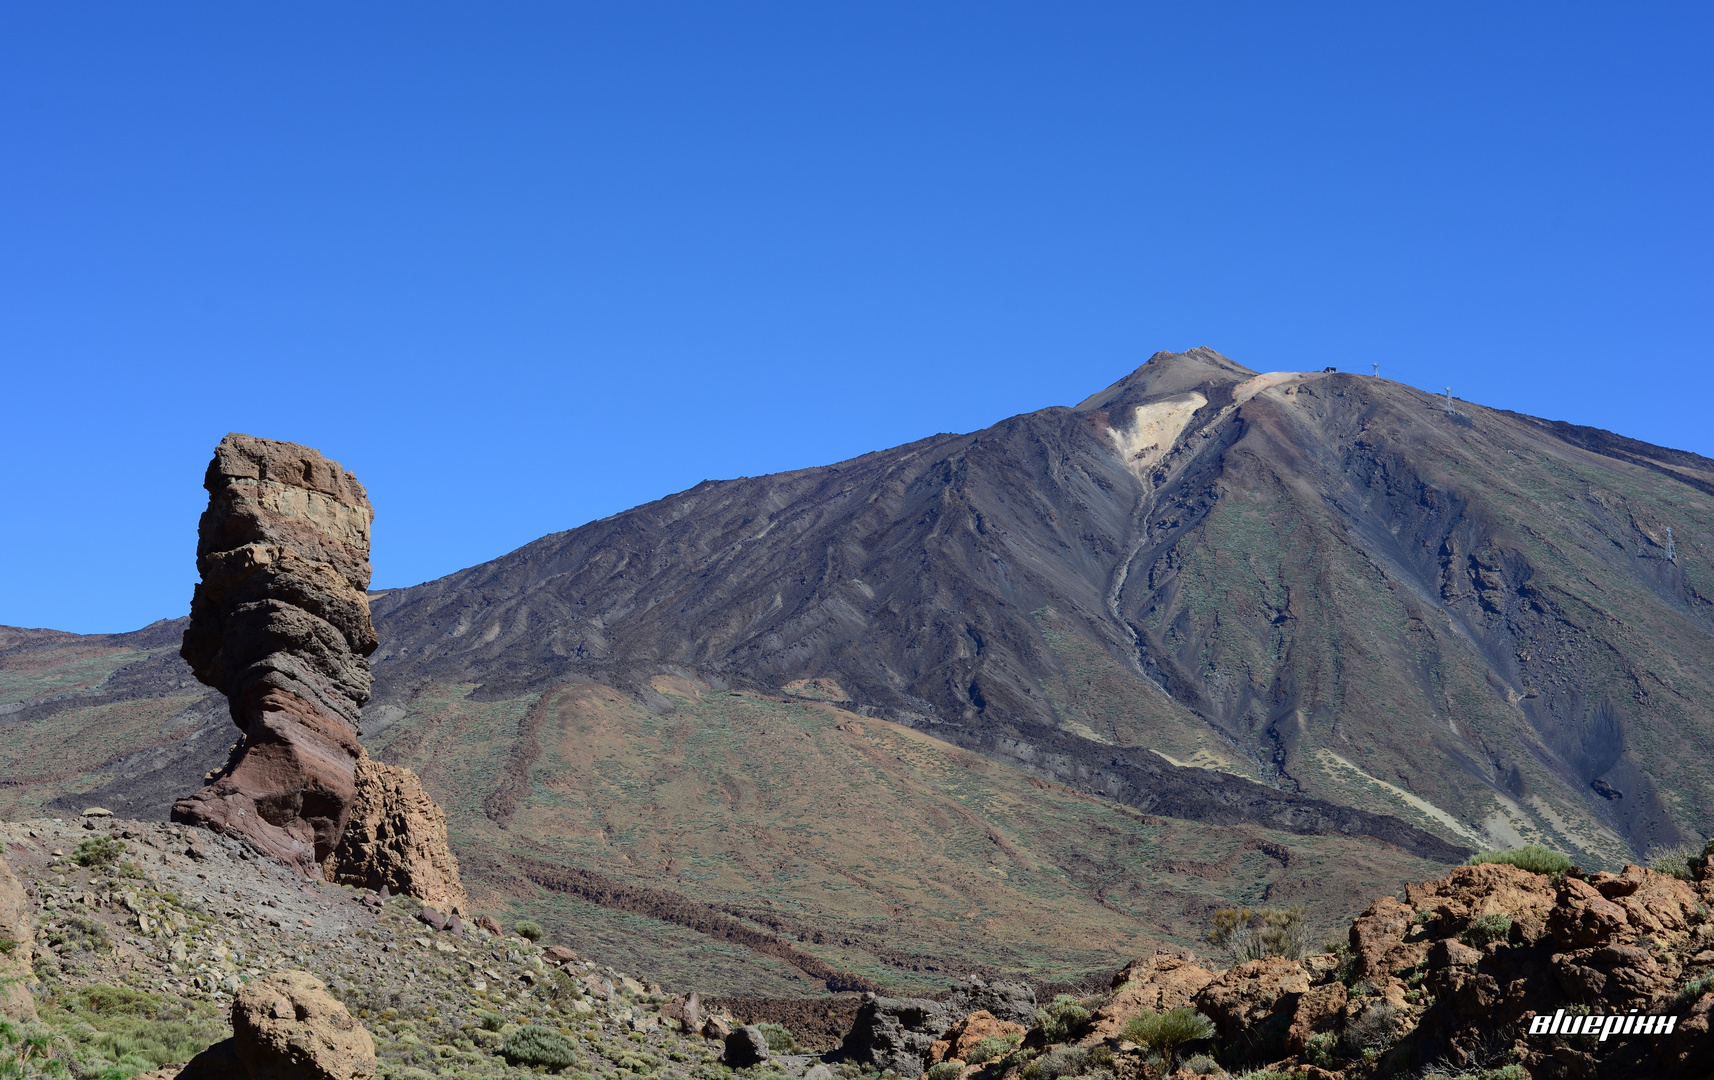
pixel 1253 1004
pixel 1656 904
pixel 1467 893
pixel 559 955
pixel 1585 918
pixel 1159 982
pixel 280 625
pixel 1378 939
pixel 1450 952
pixel 1317 1010
pixel 286 1026
pixel 962 1037
pixel 19 948
pixel 395 838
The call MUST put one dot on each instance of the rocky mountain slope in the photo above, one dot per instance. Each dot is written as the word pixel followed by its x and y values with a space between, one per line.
pixel 1313 604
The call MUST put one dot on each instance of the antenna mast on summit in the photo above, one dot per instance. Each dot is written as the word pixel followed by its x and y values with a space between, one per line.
pixel 1377 371
pixel 1671 550
pixel 1449 409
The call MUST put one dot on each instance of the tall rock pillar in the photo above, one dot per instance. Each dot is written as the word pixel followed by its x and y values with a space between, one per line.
pixel 280 625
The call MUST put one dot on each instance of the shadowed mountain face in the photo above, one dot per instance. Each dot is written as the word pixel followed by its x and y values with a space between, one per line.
pixel 1327 582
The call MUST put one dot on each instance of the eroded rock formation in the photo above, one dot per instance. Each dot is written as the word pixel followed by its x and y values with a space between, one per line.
pixel 18 948
pixel 280 625
pixel 395 839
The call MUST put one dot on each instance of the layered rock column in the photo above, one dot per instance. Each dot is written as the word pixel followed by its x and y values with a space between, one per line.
pixel 280 625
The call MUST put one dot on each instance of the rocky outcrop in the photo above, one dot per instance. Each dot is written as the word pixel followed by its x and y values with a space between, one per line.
pixel 1453 976
pixel 900 1033
pixel 963 1037
pixel 745 1047
pixel 17 941
pixel 286 1026
pixel 280 625
pixel 1160 982
pixel 1254 1004
pixel 395 839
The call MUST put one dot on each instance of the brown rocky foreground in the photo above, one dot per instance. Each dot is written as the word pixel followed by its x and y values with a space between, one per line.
pixel 1446 982
pixel 216 941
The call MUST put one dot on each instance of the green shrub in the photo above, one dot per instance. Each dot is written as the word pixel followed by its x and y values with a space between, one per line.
pixel 1203 1065
pixel 1254 933
pixel 1493 927
pixel 1059 1062
pixel 27 1053
pixel 1532 857
pixel 527 930
pixel 945 1070
pixel 1698 986
pixel 989 1049
pixel 80 932
pixel 1065 1018
pixel 133 1030
pixel 539 1046
pixel 780 1040
pixel 490 1021
pixel 1675 863
pixel 98 851
pixel 1322 1049
pixel 1164 1033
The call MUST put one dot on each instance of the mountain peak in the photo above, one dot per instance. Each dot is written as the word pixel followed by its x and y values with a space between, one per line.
pixel 1169 373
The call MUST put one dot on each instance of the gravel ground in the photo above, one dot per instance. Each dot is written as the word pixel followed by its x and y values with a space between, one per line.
pixel 186 917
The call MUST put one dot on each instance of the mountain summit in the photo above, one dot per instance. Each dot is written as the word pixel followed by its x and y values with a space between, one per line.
pixel 1335 585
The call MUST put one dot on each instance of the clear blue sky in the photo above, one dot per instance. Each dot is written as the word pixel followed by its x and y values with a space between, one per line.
pixel 523 265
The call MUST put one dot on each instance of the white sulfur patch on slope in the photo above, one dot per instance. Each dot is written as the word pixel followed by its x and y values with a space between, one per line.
pixel 1154 428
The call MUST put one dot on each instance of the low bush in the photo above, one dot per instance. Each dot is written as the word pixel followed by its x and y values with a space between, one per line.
pixel 780 1040
pixel 1675 863
pixel 1698 986
pixel 945 1070
pixel 1322 1049
pixel 539 1046
pixel 1372 1030
pixel 80 932
pixel 133 1029
pixel 1532 857
pixel 1164 1033
pixel 1202 1065
pixel 1254 933
pixel 1488 928
pixel 1059 1062
pixel 527 930
pixel 27 1053
pixel 1064 1018
pixel 990 1048
pixel 98 851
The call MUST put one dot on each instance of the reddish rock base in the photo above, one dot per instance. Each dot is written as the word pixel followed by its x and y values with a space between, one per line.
pixel 290 790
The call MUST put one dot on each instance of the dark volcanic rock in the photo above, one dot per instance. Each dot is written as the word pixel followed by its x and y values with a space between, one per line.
pixel 896 1033
pixel 745 1047
pixel 899 1033
pixel 280 625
